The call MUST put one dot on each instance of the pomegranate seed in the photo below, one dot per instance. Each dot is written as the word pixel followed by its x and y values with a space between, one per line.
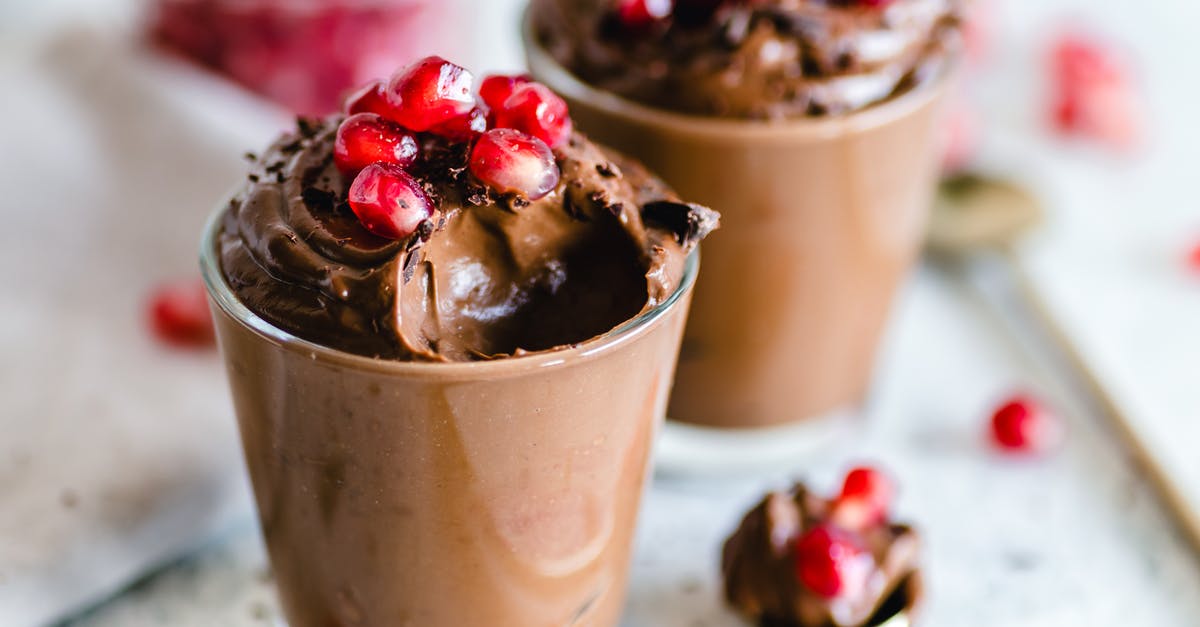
pixel 1022 425
pixel 534 109
pixel 495 89
pixel 388 202
pixel 366 138
pixel 1193 257
pixel 464 127
pixel 1092 93
pixel 368 99
pixel 832 562
pixel 510 161
pixel 179 315
pixel 640 14
pixel 876 4
pixel 429 92
pixel 865 499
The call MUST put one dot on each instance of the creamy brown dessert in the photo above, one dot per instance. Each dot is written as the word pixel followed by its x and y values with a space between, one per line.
pixel 799 560
pixel 450 325
pixel 812 126
pixel 484 275
pixel 751 58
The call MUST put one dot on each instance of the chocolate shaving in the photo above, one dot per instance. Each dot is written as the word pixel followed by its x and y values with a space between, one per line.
pixel 318 199
pixel 307 126
pixel 410 266
pixel 515 202
pixel 608 170
pixel 690 222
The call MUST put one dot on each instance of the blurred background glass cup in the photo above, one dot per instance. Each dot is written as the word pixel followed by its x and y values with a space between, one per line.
pixel 449 494
pixel 821 219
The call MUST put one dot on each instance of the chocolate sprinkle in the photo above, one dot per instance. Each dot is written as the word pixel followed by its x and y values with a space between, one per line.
pixel 318 199
pixel 689 222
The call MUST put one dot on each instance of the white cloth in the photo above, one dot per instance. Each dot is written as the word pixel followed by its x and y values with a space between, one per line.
pixel 1110 264
pixel 117 452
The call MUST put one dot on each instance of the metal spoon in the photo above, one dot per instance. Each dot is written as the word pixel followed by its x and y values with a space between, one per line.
pixel 977 217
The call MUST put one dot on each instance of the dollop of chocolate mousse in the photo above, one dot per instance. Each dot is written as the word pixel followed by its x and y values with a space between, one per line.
pixel 754 59
pixel 762 561
pixel 488 275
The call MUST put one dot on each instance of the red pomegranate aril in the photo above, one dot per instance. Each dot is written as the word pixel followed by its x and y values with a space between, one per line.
pixel 429 92
pixel 366 138
pixel 179 315
pixel 512 162
pixel 832 562
pixel 1093 94
pixel 1193 257
pixel 865 499
pixel 495 89
pixel 876 4
pixel 388 202
pixel 639 14
pixel 464 127
pixel 534 109
pixel 368 99
pixel 1022 425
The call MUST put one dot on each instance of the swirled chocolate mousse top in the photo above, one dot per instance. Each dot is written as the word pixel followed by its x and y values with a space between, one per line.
pixel 751 58
pixel 433 222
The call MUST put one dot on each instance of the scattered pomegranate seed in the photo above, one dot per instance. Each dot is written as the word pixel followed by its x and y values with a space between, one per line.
pixel 368 99
pixel 464 127
pixel 534 109
pixel 510 161
pixel 179 315
pixel 832 562
pixel 1092 93
pixel 639 14
pixel 1021 424
pixel 429 92
pixel 875 4
pixel 495 89
pixel 366 138
pixel 865 499
pixel 1193 258
pixel 388 202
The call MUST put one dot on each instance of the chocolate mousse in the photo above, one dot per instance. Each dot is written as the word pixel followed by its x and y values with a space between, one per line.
pixel 483 268
pixel 799 560
pixel 450 325
pixel 751 58
pixel 813 127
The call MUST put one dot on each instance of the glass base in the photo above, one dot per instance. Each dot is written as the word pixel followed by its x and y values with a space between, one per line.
pixel 691 450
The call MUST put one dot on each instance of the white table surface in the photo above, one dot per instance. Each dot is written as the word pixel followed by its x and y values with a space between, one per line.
pixel 1073 539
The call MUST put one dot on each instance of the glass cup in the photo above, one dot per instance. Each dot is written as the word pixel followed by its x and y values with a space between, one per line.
pixel 821 220
pixel 500 493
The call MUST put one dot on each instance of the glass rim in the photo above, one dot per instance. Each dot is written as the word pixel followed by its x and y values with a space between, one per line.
pixel 562 80
pixel 223 296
